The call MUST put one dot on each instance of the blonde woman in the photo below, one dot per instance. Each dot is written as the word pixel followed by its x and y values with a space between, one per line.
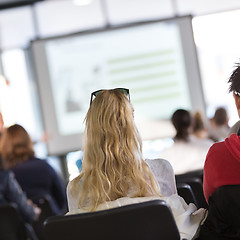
pixel 113 171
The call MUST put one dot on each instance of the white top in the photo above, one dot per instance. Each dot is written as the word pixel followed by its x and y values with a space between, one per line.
pixel 187 156
pixel 164 175
pixel 187 217
pixel 162 171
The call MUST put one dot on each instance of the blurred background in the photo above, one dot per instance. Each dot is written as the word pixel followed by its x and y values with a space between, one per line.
pixel 22 22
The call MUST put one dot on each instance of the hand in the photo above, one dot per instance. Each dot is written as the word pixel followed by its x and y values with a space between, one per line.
pixel 37 212
pixel 36 209
pixel 29 201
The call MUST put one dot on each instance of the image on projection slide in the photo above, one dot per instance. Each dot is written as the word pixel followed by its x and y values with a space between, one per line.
pixel 147 59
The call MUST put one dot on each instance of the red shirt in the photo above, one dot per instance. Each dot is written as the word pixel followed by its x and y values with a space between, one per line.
pixel 222 165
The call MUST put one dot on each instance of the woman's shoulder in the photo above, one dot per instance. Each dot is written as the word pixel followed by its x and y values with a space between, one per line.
pixel 76 183
pixel 158 161
pixel 159 164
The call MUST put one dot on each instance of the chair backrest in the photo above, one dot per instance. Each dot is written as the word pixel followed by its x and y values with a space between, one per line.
pixel 143 221
pixel 185 191
pixel 197 186
pixel 191 174
pixel 223 221
pixel 11 225
pixel 44 203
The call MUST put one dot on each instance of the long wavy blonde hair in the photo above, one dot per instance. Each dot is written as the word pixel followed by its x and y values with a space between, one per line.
pixel 113 162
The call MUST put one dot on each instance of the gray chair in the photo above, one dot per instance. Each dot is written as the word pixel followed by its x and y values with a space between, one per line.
pixel 151 220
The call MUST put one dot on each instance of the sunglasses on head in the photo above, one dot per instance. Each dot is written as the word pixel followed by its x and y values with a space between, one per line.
pixel 123 90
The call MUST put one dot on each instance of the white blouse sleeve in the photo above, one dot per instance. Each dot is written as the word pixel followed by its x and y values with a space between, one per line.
pixel 164 175
pixel 70 199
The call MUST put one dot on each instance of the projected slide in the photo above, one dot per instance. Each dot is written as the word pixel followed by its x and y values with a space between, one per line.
pixel 147 59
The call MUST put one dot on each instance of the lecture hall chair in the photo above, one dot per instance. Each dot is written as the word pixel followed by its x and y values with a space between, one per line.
pixel 152 220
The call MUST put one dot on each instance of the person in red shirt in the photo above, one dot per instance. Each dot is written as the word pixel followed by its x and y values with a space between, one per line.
pixel 222 165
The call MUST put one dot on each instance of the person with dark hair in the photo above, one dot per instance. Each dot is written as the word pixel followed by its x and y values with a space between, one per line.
pixel 36 177
pixel 114 172
pixel 219 127
pixel 221 181
pixel 182 121
pixel 188 152
pixel 222 166
pixel 235 88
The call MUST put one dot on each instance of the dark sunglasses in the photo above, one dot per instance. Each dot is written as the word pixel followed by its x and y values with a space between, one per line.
pixel 123 90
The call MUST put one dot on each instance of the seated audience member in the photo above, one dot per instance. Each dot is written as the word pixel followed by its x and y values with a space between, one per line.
pixel 36 177
pixel 113 170
pixel 188 152
pixel 222 167
pixel 199 131
pixel 219 128
pixel 11 192
pixel 222 164
pixel 198 128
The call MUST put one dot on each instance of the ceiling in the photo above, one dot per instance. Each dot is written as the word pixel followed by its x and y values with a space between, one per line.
pixel 181 7
pixel 4 4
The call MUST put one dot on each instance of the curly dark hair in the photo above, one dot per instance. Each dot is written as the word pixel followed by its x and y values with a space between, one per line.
pixel 234 79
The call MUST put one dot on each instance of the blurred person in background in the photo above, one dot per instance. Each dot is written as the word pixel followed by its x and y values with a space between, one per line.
pixel 198 128
pixel 11 193
pixel 199 131
pixel 219 128
pixel 188 152
pixel 36 177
